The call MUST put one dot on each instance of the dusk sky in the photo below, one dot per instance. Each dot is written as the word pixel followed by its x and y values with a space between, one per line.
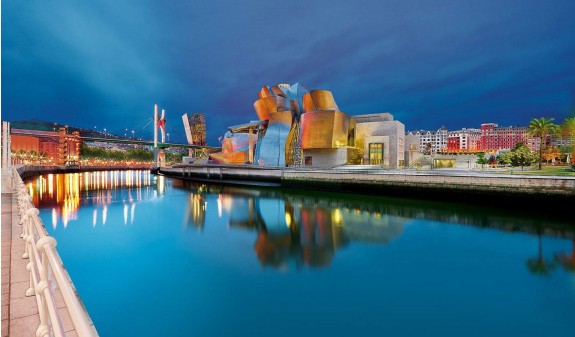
pixel 456 63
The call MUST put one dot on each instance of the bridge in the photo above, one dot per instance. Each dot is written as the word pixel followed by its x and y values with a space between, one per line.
pixel 52 134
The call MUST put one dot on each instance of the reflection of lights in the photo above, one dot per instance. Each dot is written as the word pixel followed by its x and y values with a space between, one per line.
pixel 125 214
pixel 54 218
pixel 87 180
pixel 94 217
pixel 51 184
pixel 132 211
pixel 288 219
pixel 104 214
pixel 219 201
pixel 161 185
pixel 66 190
pixel 336 216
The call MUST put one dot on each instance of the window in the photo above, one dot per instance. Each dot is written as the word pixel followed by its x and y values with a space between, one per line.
pixel 308 161
pixel 375 153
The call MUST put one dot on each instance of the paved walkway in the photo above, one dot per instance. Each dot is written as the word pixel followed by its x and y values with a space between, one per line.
pixel 19 312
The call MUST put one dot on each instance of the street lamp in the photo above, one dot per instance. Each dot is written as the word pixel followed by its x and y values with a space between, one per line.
pixel 168 134
pixel 132 134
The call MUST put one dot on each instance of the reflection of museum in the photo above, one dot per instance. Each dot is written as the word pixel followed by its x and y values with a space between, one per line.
pixel 292 230
pixel 296 127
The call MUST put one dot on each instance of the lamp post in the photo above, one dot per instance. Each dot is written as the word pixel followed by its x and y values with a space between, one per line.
pixel 168 134
pixel 132 134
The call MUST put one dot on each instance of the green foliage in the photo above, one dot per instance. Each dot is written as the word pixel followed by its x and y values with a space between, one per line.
pixel 542 128
pixel 504 158
pixel 521 156
pixel 481 160
pixel 88 152
pixel 568 130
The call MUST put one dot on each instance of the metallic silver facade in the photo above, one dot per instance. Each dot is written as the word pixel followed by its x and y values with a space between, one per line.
pixel 271 150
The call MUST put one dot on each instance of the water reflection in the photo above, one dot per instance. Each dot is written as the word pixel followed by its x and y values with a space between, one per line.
pixel 291 229
pixel 65 193
pixel 307 228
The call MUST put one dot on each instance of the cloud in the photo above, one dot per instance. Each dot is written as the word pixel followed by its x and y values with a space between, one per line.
pixel 447 62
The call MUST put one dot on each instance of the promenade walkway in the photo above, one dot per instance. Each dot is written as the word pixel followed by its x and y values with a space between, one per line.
pixel 20 315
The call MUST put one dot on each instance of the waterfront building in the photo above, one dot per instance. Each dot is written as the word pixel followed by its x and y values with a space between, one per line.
pixel 381 138
pixel 562 141
pixel 298 127
pixel 464 141
pixel 494 137
pixel 430 141
pixel 56 147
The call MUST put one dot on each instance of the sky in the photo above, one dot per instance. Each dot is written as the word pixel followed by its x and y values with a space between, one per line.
pixel 105 63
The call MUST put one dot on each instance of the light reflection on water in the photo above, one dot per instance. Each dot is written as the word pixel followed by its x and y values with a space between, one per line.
pixel 332 263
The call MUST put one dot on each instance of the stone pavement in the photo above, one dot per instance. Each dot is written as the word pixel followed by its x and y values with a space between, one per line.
pixel 19 313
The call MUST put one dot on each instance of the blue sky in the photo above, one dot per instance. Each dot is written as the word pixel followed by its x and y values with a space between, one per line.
pixel 105 63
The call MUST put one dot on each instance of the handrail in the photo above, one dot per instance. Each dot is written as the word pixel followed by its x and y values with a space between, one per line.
pixel 47 272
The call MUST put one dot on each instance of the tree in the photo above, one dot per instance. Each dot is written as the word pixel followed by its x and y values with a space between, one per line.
pixel 551 153
pixel 33 156
pixel 542 128
pixel 21 155
pixel 504 158
pixel 568 130
pixel 42 156
pixel 481 160
pixel 521 156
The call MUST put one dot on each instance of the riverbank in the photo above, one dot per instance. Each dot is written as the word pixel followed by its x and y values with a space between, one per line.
pixel 31 171
pixel 440 184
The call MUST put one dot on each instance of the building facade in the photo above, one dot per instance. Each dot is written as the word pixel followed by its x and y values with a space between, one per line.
pixel 463 141
pixel 45 147
pixel 297 127
pixel 494 137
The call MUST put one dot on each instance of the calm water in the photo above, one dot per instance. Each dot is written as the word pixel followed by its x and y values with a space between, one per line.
pixel 158 257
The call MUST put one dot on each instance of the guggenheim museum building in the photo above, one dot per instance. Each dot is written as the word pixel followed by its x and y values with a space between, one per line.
pixel 297 127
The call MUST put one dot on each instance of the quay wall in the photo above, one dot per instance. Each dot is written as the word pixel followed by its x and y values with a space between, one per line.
pixel 31 171
pixel 436 184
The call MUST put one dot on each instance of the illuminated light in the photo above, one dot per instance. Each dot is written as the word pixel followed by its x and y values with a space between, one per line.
pixel 94 218
pixel 104 215
pixel 125 214
pixel 288 220
pixel 132 213
pixel 54 218
pixel 31 191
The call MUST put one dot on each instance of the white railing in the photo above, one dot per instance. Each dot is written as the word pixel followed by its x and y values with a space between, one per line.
pixel 47 273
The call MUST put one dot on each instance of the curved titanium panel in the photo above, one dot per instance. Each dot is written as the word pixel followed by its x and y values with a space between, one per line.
pixel 308 105
pixel 265 92
pixel 271 149
pixel 323 100
pixel 324 129
pixel 279 91
pixel 267 105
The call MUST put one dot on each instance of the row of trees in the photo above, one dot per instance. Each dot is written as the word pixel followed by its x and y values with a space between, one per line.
pixel 23 156
pixel 88 152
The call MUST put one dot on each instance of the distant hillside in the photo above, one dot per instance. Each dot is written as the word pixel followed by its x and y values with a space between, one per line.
pixel 35 124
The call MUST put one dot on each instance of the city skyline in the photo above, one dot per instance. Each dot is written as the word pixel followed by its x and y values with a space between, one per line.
pixel 458 64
